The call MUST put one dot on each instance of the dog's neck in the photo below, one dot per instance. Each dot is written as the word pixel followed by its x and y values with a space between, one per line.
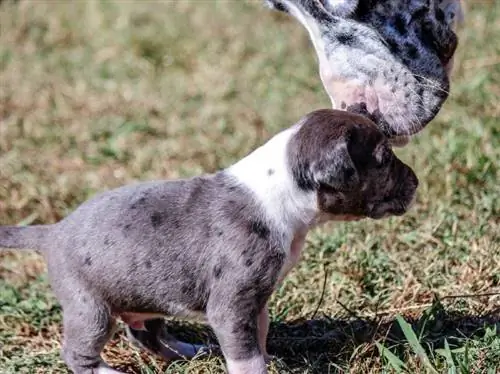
pixel 267 173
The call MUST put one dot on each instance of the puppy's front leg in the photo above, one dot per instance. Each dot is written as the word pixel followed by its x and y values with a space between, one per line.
pixel 157 340
pixel 236 329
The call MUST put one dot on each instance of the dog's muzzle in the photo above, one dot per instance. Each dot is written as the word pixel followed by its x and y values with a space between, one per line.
pixel 400 200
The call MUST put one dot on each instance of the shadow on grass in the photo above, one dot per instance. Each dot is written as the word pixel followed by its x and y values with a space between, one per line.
pixel 326 345
pixel 318 344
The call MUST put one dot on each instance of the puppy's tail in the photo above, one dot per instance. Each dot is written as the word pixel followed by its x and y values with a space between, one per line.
pixel 26 237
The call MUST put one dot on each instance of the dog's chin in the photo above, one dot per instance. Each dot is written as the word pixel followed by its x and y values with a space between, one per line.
pixel 397 113
pixel 394 140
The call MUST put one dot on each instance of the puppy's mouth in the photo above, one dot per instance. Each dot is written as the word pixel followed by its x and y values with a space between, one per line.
pixel 348 217
pixel 390 207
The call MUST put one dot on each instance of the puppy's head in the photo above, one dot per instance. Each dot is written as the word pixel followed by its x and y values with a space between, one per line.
pixel 348 162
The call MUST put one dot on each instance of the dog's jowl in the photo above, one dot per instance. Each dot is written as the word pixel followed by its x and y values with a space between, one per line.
pixel 213 246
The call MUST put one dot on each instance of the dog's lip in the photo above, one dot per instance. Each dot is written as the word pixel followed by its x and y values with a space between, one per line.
pixel 372 215
pixel 351 217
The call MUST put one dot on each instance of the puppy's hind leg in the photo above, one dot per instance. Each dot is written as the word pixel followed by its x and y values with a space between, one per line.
pixel 87 328
pixel 155 339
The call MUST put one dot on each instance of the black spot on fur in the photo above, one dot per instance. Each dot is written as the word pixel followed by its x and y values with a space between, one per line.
pixel 343 105
pixel 217 271
pixel 346 39
pixel 302 176
pixel 419 13
pixel 440 15
pixel 393 46
pixel 219 232
pixel 248 262
pixel 148 264
pixel 156 219
pixel 348 173
pixel 138 203
pixel 412 51
pixel 280 7
pixel 270 172
pixel 260 228
pixel 400 24
pixel 127 227
pixel 88 260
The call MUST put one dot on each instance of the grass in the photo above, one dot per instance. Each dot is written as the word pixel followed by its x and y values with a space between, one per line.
pixel 96 94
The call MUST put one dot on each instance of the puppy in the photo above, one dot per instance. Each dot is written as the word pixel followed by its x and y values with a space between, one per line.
pixel 214 246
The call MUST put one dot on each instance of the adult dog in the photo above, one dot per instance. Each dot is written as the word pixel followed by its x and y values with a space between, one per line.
pixel 393 57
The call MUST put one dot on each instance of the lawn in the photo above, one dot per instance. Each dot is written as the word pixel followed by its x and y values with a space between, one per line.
pixel 96 94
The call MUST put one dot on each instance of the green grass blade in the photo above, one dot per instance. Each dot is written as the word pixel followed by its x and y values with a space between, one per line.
pixel 391 358
pixel 415 344
pixel 448 355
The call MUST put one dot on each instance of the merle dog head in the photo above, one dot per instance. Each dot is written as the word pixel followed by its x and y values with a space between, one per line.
pixel 355 173
pixel 393 56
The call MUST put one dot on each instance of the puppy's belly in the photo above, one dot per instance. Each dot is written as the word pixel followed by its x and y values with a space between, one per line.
pixel 136 320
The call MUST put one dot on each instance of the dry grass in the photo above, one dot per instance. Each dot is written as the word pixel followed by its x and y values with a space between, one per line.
pixel 96 94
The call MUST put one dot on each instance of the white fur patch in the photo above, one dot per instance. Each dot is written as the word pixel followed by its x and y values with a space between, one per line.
pixel 105 369
pixel 267 174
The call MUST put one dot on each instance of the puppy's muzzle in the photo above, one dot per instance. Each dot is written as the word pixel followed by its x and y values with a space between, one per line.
pixel 400 200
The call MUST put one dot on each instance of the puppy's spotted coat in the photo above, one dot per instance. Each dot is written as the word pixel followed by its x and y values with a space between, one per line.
pixel 214 245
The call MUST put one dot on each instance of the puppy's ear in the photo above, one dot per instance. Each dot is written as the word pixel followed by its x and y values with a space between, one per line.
pixel 336 168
